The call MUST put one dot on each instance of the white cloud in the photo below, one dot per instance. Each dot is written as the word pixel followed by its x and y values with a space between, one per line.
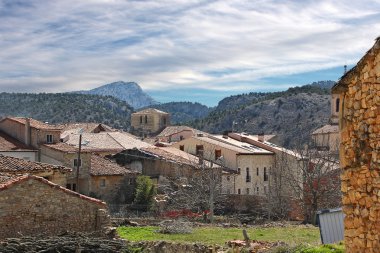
pixel 70 45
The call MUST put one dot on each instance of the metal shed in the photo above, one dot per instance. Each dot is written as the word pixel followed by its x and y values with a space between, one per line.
pixel 331 225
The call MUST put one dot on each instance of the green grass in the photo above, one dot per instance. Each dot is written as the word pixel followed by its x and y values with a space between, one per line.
pixel 217 235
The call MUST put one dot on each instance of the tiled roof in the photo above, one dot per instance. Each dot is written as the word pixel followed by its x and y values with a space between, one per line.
pixel 35 123
pixel 64 147
pixel 16 165
pixel 18 180
pixel 128 141
pixel 327 129
pixel 8 143
pixel 86 127
pixel 150 110
pixel 175 155
pixel 170 130
pixel 101 166
pixel 107 141
pixel 5 177
pixel 253 148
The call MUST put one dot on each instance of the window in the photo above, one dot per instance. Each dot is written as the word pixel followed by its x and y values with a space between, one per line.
pixel 265 174
pixel 228 178
pixel 141 119
pixel 49 138
pixel 337 102
pixel 74 188
pixel 180 137
pixel 131 181
pixel 68 186
pixel 76 162
pixel 164 120
pixel 239 171
pixel 239 191
pixel 257 171
pixel 218 153
pixel 247 191
pixel 146 119
pixel 199 150
pixel 102 182
pixel 182 147
pixel 257 189
pixel 248 177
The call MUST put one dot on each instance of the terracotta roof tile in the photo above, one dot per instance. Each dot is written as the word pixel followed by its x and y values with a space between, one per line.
pixel 16 165
pixel 101 166
pixel 10 183
pixel 35 123
pixel 170 130
pixel 5 177
pixel 7 143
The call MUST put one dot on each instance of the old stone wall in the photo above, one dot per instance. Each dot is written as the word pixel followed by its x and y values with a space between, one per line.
pixel 35 206
pixel 360 158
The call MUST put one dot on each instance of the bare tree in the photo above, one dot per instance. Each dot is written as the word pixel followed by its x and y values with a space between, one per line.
pixel 202 192
pixel 315 182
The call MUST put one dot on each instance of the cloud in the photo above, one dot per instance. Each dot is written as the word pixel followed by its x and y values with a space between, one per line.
pixel 217 45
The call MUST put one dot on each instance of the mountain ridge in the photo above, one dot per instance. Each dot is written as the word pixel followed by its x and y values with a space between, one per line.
pixel 129 92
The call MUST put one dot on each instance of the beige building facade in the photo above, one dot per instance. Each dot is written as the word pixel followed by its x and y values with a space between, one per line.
pixel 252 165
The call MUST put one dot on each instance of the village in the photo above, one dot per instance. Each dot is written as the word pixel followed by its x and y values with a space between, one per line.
pixel 89 173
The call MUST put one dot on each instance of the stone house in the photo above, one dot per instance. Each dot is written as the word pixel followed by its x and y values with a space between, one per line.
pixel 16 166
pixel 149 122
pixel 168 163
pixel 30 132
pixel 252 164
pixel 359 123
pixel 11 147
pixel 111 182
pixel 32 205
pixel 98 177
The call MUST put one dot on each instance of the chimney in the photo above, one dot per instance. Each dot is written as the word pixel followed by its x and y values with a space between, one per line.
pixel 27 131
pixel 260 137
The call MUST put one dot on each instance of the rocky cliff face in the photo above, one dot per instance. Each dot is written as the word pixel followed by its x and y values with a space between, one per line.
pixel 129 92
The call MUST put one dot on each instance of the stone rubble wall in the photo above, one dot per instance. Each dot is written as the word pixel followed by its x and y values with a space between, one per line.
pixel 360 154
pixel 34 207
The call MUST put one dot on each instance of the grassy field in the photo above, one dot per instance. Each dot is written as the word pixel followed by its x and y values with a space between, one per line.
pixel 217 235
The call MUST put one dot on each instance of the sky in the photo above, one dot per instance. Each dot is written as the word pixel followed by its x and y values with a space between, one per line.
pixel 181 50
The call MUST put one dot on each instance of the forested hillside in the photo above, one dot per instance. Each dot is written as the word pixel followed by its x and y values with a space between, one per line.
pixel 291 114
pixel 67 107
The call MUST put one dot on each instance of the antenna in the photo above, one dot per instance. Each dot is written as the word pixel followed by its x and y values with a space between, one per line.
pixel 345 69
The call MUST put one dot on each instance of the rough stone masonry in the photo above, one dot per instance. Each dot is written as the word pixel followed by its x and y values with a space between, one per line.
pixel 359 91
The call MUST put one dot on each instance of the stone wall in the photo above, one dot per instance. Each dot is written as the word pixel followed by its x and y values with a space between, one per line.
pixel 359 90
pixel 32 205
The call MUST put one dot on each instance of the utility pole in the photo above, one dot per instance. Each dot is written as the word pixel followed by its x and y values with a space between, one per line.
pixel 78 160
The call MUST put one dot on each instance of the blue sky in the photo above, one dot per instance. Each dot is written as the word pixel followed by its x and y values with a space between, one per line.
pixel 181 49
